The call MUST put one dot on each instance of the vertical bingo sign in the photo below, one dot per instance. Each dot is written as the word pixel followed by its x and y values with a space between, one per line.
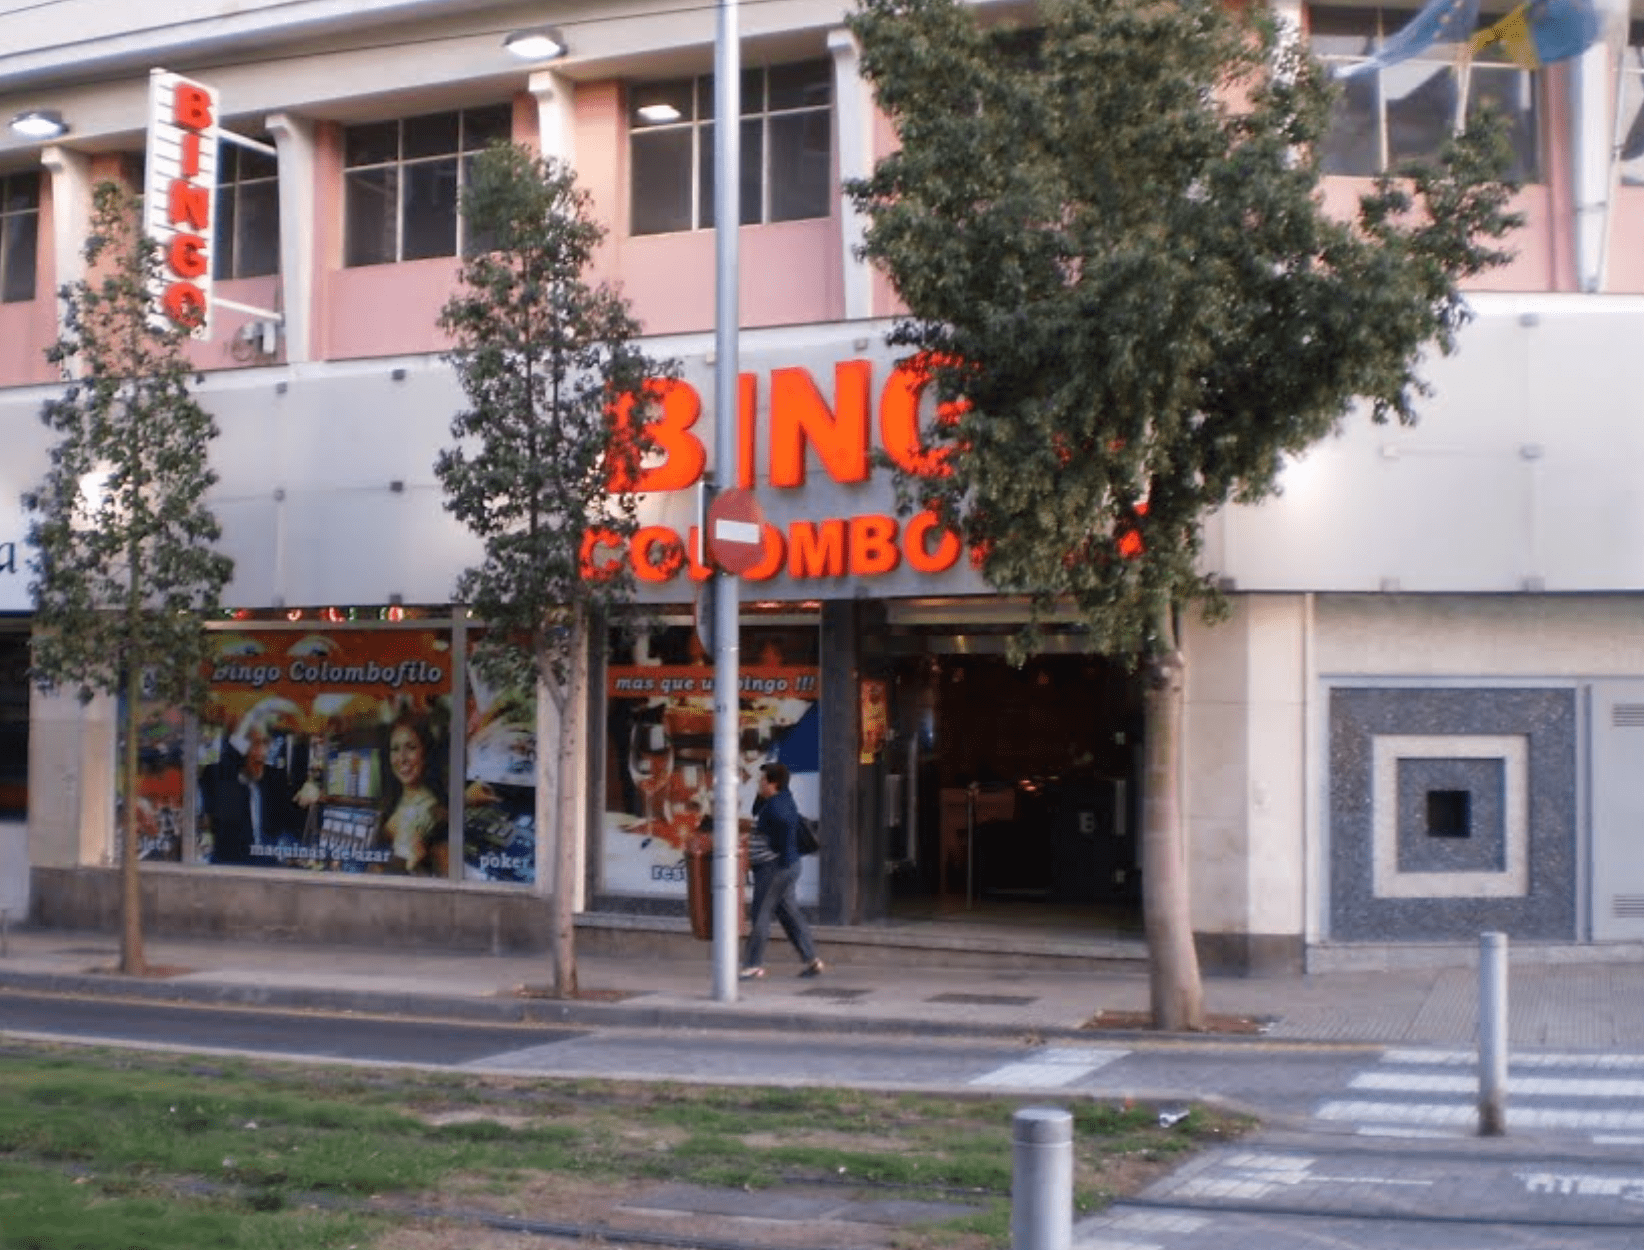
pixel 180 198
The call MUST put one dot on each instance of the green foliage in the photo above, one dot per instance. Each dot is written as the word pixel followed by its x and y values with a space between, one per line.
pixel 1110 236
pixel 124 578
pixel 543 356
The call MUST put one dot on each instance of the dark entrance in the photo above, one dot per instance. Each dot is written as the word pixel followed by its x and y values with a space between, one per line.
pixel 1014 790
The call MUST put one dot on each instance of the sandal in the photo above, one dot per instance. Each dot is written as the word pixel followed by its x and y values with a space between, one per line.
pixel 750 974
pixel 813 969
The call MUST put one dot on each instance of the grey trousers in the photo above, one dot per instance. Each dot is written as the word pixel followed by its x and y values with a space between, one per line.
pixel 774 895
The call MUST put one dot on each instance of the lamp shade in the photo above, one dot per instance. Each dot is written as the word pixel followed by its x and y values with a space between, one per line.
pixel 541 43
pixel 40 124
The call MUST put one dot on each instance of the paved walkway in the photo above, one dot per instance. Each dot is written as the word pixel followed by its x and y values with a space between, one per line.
pixel 1565 1004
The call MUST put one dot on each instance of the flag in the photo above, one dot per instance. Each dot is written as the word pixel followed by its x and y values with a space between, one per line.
pixel 1440 21
pixel 1540 32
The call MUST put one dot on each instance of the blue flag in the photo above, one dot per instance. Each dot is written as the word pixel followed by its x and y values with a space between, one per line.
pixel 1440 21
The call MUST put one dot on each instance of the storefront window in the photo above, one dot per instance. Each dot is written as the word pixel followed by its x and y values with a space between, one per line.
pixel 327 751
pixel 659 783
pixel 14 726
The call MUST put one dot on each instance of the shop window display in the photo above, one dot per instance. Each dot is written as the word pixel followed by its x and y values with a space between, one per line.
pixel 327 751
pixel 659 780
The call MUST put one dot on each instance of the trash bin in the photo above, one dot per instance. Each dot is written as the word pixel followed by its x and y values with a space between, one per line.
pixel 699 885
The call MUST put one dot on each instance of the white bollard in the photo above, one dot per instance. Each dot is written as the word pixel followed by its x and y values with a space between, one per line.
pixel 1041 1182
pixel 1492 1034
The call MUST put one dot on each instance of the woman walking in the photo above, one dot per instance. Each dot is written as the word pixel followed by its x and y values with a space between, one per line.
pixel 773 853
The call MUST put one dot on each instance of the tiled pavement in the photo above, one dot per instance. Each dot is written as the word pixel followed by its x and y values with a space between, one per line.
pixel 1565 1003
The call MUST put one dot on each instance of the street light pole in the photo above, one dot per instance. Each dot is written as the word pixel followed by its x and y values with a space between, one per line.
pixel 727 646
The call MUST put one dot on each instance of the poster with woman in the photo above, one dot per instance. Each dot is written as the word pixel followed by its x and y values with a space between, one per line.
pixel 327 751
pixel 659 778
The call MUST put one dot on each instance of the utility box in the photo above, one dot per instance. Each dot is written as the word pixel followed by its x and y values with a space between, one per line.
pixel 699 886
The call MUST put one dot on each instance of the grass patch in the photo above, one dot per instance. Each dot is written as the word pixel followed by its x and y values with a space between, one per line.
pixel 102 1149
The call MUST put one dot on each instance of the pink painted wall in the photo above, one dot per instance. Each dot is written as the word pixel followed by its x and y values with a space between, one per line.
pixel 1626 256
pixel 220 350
pixel 1537 263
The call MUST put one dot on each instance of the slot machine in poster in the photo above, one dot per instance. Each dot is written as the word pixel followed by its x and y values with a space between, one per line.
pixel 499 837
pixel 327 751
pixel 161 785
pixel 659 778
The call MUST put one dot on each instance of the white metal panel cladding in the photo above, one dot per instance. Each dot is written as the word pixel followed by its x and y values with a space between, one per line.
pixel 1618 810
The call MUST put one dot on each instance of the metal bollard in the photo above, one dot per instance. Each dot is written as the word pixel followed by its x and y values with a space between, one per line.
pixel 1041 1183
pixel 1492 1034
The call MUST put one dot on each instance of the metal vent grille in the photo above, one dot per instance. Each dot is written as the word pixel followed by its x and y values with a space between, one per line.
pixel 1627 715
pixel 1627 906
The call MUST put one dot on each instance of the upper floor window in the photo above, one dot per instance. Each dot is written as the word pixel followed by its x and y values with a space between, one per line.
pixel 1408 110
pixel 402 180
pixel 248 213
pixel 787 147
pixel 1630 123
pixel 19 235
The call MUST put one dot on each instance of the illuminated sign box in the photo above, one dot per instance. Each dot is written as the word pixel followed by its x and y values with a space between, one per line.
pixel 180 198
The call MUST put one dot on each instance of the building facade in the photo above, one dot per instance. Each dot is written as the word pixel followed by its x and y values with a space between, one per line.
pixel 1417 722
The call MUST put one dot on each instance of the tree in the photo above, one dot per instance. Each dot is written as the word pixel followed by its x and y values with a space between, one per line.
pixel 125 570
pixel 546 457
pixel 1109 234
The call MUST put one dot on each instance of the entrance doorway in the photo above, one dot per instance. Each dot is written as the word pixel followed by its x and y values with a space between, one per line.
pixel 1014 791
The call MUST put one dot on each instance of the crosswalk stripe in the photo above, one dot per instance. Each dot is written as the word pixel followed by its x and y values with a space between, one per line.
pixel 1539 1059
pixel 1051 1067
pixel 1435 1113
pixel 1548 1086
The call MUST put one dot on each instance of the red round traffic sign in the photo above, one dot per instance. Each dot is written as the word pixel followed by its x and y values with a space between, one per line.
pixel 736 530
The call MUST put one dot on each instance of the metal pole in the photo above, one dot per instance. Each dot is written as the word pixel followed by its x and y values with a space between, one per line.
pixel 1041 1180
pixel 1492 1034
pixel 727 647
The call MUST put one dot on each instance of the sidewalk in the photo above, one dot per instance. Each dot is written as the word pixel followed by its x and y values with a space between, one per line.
pixel 1571 1003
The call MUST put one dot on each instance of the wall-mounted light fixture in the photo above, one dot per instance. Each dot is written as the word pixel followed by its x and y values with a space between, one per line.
pixel 40 124
pixel 541 43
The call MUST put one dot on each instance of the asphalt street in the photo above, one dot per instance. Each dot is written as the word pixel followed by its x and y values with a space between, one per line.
pixel 1367 1147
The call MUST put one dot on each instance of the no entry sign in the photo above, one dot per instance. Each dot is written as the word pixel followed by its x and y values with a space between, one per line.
pixel 736 526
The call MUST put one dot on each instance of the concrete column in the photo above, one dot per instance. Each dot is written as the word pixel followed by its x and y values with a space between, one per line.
pixel 70 213
pixel 294 141
pixel 555 95
pixel 853 108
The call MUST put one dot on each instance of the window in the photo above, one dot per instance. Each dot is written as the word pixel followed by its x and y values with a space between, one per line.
pixel 1630 121
pixel 248 213
pixel 1388 116
pixel 402 179
pixel 19 235
pixel 787 145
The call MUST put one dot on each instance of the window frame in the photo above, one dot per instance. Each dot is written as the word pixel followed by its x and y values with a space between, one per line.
pixel 398 165
pixel 757 111
pixel 25 217
pixel 232 184
pixel 1467 92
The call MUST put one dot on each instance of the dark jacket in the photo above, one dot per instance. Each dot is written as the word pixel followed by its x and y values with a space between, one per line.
pixel 778 825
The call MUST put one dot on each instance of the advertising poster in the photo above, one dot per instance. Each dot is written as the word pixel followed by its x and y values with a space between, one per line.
pixel 499 797
pixel 327 751
pixel 659 782
pixel 161 790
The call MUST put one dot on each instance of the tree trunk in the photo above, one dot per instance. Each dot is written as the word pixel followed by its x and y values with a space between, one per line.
pixel 132 962
pixel 562 916
pixel 1173 966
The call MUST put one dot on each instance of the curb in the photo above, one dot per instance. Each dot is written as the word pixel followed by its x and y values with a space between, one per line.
pixel 633 1013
